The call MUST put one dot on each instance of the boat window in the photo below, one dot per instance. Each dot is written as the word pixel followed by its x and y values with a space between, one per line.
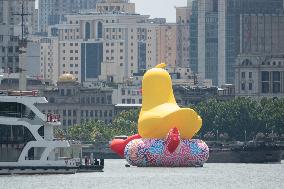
pixel 13 139
pixel 14 109
pixel 35 153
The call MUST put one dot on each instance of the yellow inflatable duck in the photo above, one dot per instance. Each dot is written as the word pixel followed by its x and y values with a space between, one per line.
pixel 160 112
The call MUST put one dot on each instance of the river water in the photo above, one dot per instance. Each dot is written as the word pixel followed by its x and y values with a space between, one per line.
pixel 116 175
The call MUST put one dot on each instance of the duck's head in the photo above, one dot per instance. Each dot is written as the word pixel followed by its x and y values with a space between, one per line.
pixel 157 87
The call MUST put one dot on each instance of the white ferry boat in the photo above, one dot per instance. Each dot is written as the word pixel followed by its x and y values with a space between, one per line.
pixel 27 143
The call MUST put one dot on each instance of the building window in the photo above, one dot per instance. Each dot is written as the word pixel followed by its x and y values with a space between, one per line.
pixel 100 30
pixel 10 49
pixel 74 113
pixel 87 30
pixel 250 86
pixel 64 112
pixel 109 99
pixel 250 75
pixel 68 92
pixel 69 112
pixel 98 100
pixel 265 82
pixel 243 86
pixel 243 74
pixel 276 82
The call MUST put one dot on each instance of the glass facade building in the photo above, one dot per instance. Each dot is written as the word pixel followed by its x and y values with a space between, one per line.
pixel 215 35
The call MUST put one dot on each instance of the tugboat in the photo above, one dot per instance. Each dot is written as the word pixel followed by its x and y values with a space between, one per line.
pixel 27 143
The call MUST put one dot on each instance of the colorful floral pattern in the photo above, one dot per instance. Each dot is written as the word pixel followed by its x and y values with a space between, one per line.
pixel 153 152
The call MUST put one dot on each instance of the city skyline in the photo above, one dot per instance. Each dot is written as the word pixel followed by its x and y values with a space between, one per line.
pixel 149 7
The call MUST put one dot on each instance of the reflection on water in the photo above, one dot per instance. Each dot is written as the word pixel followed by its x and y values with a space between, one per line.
pixel 116 175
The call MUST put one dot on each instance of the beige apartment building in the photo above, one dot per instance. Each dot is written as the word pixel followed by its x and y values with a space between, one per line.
pixel 110 44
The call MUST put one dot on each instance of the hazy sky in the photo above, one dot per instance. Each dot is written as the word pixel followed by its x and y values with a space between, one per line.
pixel 158 8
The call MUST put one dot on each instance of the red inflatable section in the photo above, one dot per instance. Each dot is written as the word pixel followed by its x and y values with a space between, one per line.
pixel 118 145
pixel 173 140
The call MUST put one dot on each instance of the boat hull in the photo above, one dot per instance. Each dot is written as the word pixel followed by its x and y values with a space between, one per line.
pixel 239 156
pixel 10 170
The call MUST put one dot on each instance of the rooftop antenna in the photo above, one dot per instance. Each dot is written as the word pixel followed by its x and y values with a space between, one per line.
pixel 22 52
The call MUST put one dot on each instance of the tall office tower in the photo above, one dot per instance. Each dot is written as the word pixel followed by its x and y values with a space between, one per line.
pixel 204 39
pixel 182 19
pixel 8 9
pixel 229 30
pixel 215 56
pixel 51 12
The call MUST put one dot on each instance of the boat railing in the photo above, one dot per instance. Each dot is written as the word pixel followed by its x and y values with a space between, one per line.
pixel 32 93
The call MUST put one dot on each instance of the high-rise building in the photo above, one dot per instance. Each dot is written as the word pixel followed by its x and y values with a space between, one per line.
pixel 215 34
pixel 51 12
pixel 229 30
pixel 204 39
pixel 262 34
pixel 183 15
pixel 8 11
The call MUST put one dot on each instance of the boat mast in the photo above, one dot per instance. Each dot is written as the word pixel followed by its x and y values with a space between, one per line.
pixel 22 52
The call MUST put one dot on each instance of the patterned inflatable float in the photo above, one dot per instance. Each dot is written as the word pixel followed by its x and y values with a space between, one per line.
pixel 160 153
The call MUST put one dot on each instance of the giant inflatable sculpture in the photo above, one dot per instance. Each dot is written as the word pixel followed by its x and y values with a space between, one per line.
pixel 165 130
